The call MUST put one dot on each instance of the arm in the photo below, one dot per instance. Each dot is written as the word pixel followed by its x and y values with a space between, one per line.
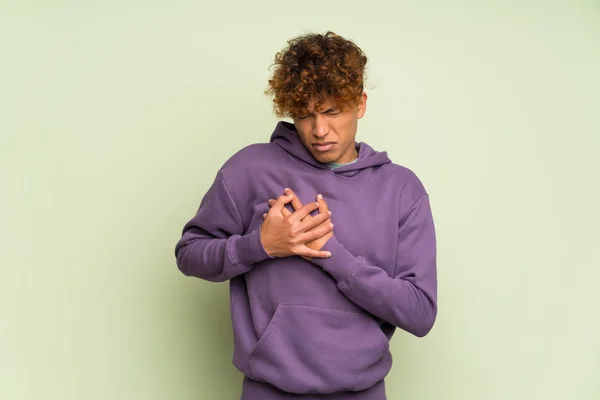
pixel 212 246
pixel 408 300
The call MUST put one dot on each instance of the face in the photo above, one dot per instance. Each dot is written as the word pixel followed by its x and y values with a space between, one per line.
pixel 328 132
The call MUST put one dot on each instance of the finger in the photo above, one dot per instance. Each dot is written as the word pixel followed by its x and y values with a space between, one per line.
pixel 296 203
pixel 265 215
pixel 323 207
pixel 316 233
pixel 279 204
pixel 299 215
pixel 307 252
pixel 285 212
pixel 308 224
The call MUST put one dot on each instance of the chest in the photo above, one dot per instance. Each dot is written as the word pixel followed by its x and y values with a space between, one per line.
pixel 364 210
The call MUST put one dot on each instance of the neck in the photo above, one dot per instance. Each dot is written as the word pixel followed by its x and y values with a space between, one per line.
pixel 349 157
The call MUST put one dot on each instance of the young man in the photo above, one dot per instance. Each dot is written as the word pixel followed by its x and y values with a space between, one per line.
pixel 314 307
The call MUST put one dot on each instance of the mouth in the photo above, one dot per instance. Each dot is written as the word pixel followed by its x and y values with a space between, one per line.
pixel 322 147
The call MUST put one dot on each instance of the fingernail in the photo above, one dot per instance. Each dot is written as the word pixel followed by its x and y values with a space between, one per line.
pixel 328 254
pixel 318 205
pixel 319 197
pixel 329 213
pixel 331 225
pixel 287 190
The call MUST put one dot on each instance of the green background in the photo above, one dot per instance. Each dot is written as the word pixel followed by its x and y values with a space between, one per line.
pixel 116 115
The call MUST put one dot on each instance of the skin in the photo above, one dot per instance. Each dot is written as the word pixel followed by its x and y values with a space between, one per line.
pixel 284 233
pixel 326 225
pixel 329 124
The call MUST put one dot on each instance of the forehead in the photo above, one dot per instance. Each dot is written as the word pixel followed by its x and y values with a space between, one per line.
pixel 325 105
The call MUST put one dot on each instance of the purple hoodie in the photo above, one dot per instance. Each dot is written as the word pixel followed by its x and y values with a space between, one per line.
pixel 320 329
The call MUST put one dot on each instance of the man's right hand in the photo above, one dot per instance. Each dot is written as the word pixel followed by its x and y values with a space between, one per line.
pixel 284 236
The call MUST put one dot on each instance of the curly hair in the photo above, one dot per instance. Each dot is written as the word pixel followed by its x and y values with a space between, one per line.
pixel 326 67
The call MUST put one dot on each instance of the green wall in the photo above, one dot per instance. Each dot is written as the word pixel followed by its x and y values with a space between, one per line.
pixel 115 116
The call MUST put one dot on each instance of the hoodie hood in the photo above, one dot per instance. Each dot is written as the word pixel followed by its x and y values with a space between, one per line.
pixel 286 136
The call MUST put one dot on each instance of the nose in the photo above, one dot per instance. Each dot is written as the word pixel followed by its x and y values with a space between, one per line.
pixel 320 127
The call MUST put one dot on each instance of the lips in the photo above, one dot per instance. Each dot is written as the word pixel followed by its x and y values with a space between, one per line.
pixel 326 146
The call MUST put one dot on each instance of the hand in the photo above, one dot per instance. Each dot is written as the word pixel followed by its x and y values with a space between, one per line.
pixel 286 234
pixel 318 243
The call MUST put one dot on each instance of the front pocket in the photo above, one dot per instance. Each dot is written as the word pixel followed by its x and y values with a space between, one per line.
pixel 317 350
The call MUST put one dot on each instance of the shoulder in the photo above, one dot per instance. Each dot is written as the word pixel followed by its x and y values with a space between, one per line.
pixel 410 185
pixel 250 159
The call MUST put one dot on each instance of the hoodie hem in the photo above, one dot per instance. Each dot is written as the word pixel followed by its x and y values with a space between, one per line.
pixel 254 390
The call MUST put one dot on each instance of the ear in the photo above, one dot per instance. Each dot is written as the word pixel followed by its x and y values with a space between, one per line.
pixel 362 105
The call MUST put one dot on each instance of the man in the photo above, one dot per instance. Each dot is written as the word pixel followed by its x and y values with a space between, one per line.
pixel 314 307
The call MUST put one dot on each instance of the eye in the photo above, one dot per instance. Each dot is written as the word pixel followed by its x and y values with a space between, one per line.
pixel 302 116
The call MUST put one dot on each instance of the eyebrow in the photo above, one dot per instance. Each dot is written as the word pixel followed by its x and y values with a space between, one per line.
pixel 333 108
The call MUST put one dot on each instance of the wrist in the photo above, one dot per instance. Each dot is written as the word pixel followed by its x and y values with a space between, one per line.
pixel 250 250
pixel 264 242
pixel 341 265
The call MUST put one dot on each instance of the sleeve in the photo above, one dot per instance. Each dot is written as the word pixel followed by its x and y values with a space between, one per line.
pixel 212 246
pixel 408 299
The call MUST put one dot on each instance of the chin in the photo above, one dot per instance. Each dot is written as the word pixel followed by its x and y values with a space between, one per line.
pixel 324 158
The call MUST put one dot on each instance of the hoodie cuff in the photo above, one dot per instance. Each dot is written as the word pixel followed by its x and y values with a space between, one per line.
pixel 341 265
pixel 248 250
